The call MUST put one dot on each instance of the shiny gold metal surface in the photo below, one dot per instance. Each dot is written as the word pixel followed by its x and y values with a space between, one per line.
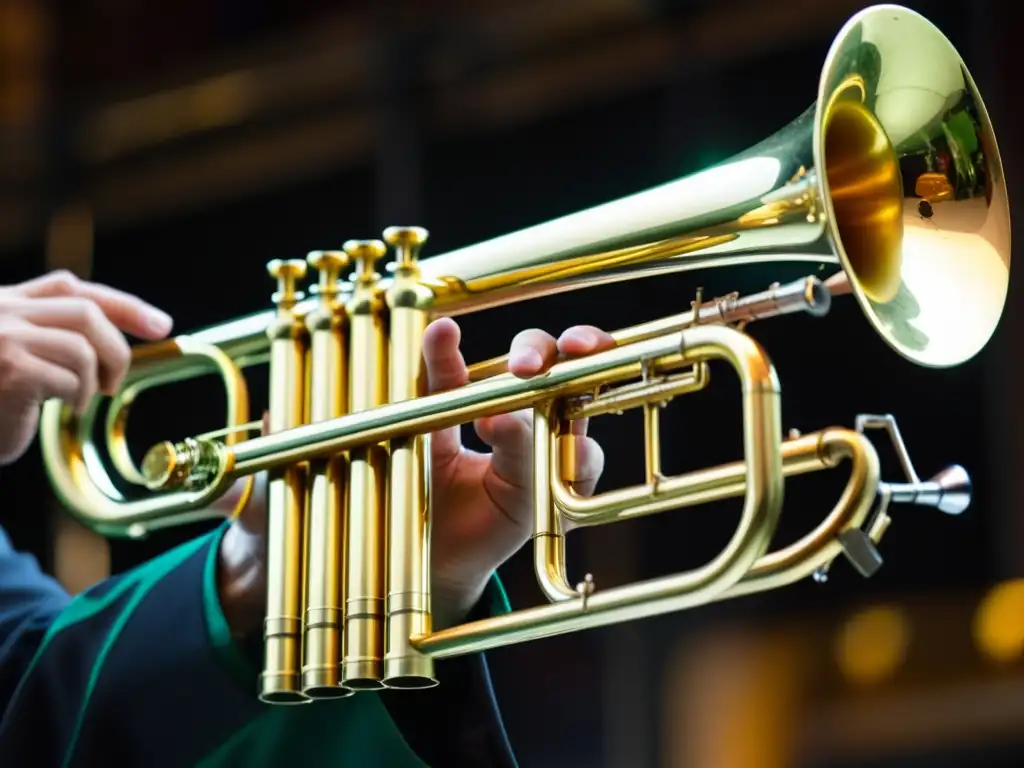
pixel 893 176
pixel 913 189
pixel 286 497
pixel 408 543
pixel 325 533
pixel 365 546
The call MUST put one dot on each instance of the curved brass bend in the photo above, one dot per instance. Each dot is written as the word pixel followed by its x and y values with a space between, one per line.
pixel 825 449
pixel 760 481
pixel 82 482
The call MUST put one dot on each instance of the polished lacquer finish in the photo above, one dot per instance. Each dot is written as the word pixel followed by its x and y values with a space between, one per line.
pixel 893 176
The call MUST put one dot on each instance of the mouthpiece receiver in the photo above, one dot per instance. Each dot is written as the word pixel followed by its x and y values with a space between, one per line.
pixel 949 491
pixel 955 488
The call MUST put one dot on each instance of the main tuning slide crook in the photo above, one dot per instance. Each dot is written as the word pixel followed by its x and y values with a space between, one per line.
pixel 949 491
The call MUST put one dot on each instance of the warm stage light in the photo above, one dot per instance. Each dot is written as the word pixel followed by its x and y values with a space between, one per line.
pixel 873 644
pixel 999 622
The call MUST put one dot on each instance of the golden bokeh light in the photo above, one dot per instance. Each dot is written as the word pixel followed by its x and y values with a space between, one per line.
pixel 873 644
pixel 999 622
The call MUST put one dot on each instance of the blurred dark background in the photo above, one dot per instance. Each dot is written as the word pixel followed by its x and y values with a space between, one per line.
pixel 172 149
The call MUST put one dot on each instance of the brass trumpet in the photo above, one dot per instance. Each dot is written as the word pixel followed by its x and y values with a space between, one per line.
pixel 894 176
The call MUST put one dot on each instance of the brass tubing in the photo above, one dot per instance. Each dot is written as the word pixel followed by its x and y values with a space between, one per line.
pixel 652 441
pixel 823 190
pixel 324 604
pixel 821 546
pixel 286 495
pixel 501 394
pixel 813 452
pixel 548 537
pixel 762 440
pixel 159 365
pixel 365 545
pixel 687 490
pixel 799 456
pixel 86 489
pixel 846 183
pixel 808 294
pixel 408 607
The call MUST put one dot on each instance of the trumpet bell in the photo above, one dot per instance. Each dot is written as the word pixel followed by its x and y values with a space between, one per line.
pixel 912 186
pixel 894 176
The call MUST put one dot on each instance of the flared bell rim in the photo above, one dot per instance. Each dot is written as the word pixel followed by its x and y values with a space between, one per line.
pixel 973 318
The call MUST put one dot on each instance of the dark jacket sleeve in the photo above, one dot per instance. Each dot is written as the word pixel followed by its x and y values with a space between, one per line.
pixel 141 670
pixel 29 602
